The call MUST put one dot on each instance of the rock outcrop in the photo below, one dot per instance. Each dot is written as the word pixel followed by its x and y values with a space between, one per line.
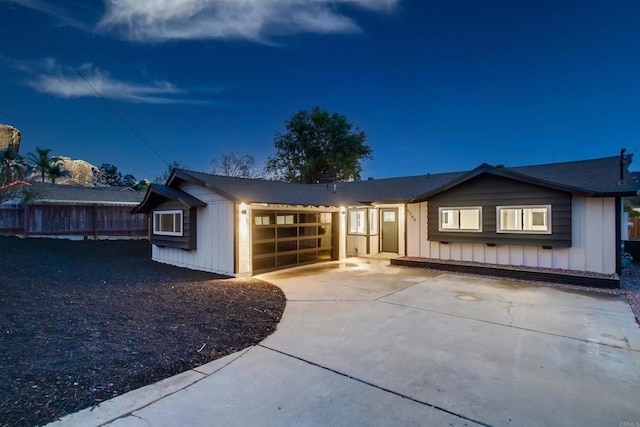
pixel 9 138
pixel 80 172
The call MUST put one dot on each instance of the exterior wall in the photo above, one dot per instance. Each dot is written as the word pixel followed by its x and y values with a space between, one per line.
pixel 342 234
pixel 215 240
pixel 244 267
pixel 417 229
pixel 356 244
pixel 189 227
pixel 489 191
pixel 593 241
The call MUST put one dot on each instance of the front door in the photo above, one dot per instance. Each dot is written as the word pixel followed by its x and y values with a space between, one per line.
pixel 389 229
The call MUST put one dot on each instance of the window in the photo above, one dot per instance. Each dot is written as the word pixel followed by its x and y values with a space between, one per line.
pixel 283 219
pixel 373 221
pixel 357 221
pixel 262 220
pixel 167 223
pixel 524 219
pixel 460 219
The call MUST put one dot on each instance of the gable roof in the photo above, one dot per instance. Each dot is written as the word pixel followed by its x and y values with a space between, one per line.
pixel 58 193
pixel 159 193
pixel 262 191
pixel 596 178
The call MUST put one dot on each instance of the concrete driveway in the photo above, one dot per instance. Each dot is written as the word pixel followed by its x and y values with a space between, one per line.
pixel 363 343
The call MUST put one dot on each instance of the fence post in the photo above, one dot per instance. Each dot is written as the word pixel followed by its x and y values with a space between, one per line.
pixel 95 222
pixel 25 219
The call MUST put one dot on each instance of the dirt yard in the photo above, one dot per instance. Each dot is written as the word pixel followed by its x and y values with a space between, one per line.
pixel 84 321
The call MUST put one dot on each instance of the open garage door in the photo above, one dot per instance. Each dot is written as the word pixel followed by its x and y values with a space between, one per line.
pixel 284 239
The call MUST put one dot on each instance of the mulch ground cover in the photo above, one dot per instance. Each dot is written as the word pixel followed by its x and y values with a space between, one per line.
pixel 84 321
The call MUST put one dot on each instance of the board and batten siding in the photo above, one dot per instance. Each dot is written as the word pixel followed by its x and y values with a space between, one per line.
pixel 489 192
pixel 593 241
pixel 215 237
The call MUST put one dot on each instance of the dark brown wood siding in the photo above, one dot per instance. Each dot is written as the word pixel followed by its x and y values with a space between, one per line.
pixel 490 191
pixel 188 239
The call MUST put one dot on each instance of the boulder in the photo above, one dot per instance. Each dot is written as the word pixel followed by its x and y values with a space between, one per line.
pixel 81 172
pixel 9 138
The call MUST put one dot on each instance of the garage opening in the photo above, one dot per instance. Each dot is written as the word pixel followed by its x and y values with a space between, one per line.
pixel 284 239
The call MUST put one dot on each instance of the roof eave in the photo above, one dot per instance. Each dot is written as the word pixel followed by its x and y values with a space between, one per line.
pixel 186 176
pixel 145 206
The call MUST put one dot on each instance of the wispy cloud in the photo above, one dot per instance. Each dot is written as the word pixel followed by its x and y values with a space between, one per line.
pixel 89 81
pixel 63 16
pixel 255 20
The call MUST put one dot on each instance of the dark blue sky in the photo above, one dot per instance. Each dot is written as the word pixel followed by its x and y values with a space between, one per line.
pixel 437 85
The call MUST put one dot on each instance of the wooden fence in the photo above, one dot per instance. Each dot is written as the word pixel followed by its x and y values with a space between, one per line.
pixel 634 230
pixel 90 220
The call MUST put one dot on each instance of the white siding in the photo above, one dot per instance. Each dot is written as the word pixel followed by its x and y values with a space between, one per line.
pixel 245 261
pixel 356 245
pixel 416 228
pixel 342 233
pixel 202 193
pixel 593 246
pixel 215 236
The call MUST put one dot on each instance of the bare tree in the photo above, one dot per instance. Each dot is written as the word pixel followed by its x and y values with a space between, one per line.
pixel 236 164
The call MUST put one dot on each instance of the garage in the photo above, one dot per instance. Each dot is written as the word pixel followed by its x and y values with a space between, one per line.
pixel 284 239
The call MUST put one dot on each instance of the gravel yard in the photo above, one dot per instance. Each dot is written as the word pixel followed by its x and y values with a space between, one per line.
pixel 630 284
pixel 84 321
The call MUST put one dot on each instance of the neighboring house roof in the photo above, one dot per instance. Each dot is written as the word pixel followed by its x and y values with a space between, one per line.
pixel 159 193
pixel 262 191
pixel 596 178
pixel 56 193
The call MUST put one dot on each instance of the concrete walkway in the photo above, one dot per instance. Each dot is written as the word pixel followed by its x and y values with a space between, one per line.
pixel 362 343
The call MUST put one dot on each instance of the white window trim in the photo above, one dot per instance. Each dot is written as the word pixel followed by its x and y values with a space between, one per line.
pixel 501 231
pixel 362 225
pixel 459 230
pixel 168 233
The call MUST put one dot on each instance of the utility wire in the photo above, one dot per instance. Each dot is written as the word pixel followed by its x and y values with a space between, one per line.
pixel 62 138
pixel 98 94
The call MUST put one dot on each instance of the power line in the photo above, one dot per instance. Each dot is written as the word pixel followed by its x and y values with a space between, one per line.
pixel 98 94
pixel 62 138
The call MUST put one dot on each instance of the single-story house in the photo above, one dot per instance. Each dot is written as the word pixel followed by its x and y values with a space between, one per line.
pixel 552 218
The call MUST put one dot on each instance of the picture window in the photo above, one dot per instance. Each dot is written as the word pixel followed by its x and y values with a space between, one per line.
pixel 167 223
pixel 460 219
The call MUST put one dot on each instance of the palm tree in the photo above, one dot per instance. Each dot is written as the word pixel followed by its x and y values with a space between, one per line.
pixel 42 163
pixel 55 171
